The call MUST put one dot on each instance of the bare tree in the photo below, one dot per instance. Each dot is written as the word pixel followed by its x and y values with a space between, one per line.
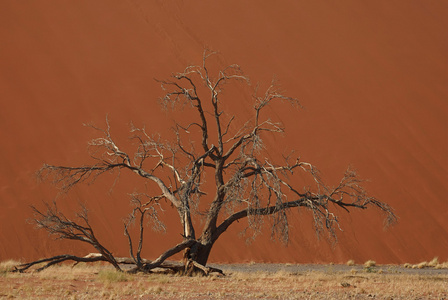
pixel 246 185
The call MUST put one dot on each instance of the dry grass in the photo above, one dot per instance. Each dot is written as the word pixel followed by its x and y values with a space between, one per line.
pixel 434 264
pixel 351 262
pixel 369 264
pixel 7 266
pixel 113 276
pixel 100 282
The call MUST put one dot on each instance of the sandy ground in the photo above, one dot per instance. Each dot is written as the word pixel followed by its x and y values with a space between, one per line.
pixel 336 268
pixel 371 77
pixel 252 281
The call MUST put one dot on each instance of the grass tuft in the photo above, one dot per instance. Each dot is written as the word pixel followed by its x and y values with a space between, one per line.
pixel 7 266
pixel 422 265
pixel 370 263
pixel 442 265
pixel 434 262
pixel 113 276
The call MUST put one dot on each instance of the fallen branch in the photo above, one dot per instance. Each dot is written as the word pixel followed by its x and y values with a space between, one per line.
pixel 56 260
pixel 95 257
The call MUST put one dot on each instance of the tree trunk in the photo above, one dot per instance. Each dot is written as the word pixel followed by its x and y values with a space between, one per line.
pixel 203 254
pixel 199 253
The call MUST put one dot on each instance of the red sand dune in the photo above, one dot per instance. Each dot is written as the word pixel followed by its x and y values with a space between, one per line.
pixel 371 76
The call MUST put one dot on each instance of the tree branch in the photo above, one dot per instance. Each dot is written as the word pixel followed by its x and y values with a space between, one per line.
pixel 55 223
pixel 170 252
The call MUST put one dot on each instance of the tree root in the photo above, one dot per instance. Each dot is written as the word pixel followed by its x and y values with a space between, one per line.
pixel 204 269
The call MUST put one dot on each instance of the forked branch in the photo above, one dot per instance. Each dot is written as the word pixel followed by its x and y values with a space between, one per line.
pixel 56 223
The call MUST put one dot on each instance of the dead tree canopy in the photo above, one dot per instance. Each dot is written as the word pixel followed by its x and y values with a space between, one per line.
pixel 218 147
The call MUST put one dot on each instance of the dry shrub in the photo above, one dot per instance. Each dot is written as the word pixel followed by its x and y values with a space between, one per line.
pixel 370 263
pixel 422 265
pixel 434 262
pixel 442 265
pixel 351 262
pixel 7 266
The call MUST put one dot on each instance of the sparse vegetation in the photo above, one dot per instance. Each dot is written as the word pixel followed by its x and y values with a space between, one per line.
pixel 7 266
pixel 351 262
pixel 442 265
pixel 113 276
pixel 434 263
pixel 370 263
pixel 369 266
pixel 66 282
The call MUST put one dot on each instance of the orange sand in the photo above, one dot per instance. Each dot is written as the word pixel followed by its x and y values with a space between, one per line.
pixel 371 76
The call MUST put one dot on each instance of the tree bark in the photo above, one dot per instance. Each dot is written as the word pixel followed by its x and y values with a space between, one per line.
pixel 199 252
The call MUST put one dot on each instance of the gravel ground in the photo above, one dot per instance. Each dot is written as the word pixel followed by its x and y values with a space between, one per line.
pixel 303 268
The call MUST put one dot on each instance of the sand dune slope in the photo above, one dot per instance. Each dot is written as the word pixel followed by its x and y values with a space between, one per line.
pixel 372 78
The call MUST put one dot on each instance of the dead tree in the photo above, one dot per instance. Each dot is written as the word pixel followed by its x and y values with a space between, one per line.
pixel 230 152
pixel 56 223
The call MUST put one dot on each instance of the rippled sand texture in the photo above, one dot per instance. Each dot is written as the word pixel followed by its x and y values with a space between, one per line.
pixel 372 78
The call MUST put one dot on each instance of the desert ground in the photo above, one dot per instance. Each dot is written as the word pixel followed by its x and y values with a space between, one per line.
pixel 248 281
pixel 372 80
